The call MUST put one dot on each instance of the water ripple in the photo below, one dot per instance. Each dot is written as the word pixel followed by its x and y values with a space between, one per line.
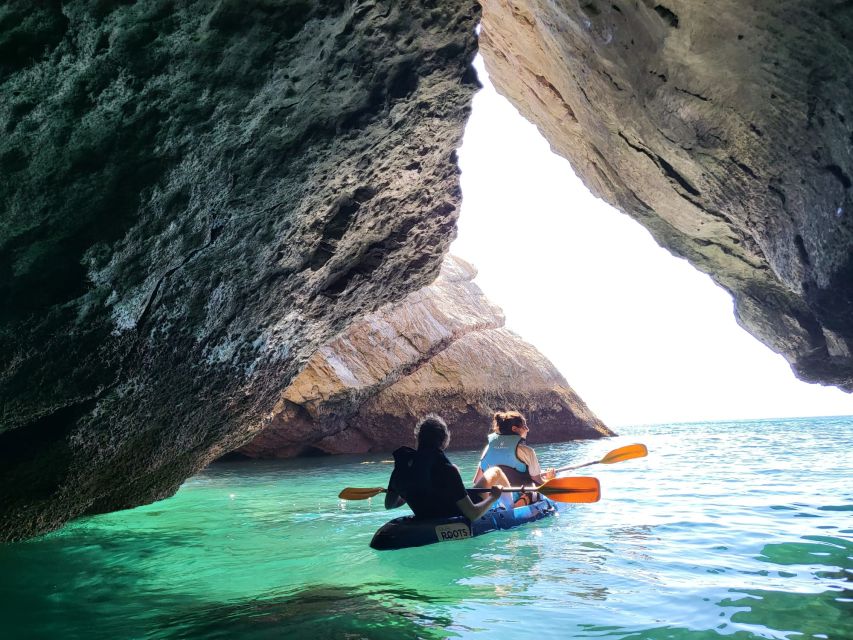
pixel 736 529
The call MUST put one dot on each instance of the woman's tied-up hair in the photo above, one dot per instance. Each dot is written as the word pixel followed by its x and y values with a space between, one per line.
pixel 504 421
pixel 433 432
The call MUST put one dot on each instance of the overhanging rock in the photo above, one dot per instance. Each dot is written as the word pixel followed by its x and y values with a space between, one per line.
pixel 723 127
pixel 442 349
pixel 196 196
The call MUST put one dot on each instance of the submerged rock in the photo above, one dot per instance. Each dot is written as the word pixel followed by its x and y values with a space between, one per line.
pixel 442 349
pixel 723 127
pixel 196 196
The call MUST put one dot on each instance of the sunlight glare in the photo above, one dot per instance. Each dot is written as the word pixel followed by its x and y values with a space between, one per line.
pixel 641 335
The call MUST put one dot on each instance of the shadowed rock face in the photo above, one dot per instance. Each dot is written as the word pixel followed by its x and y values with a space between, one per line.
pixel 725 128
pixel 441 349
pixel 195 196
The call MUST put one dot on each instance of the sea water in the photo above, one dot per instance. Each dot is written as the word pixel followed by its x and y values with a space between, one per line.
pixel 726 530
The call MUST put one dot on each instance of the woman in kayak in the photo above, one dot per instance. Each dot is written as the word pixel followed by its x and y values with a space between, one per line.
pixel 428 481
pixel 508 460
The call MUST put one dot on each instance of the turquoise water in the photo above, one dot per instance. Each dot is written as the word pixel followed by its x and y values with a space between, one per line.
pixel 739 530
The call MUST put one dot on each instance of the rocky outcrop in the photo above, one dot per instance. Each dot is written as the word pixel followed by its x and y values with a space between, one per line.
pixel 196 195
pixel 441 349
pixel 723 127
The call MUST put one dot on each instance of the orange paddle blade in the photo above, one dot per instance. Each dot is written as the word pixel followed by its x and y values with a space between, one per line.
pixel 625 453
pixel 576 489
pixel 360 493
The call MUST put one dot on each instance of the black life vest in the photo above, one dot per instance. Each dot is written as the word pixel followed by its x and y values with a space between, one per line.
pixel 413 480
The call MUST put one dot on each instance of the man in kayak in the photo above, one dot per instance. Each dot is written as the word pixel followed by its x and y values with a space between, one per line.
pixel 428 481
pixel 508 460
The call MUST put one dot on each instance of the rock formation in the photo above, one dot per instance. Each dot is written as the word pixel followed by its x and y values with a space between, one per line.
pixel 441 349
pixel 195 196
pixel 723 127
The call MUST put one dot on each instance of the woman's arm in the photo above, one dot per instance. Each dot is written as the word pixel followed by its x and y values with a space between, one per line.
pixel 528 456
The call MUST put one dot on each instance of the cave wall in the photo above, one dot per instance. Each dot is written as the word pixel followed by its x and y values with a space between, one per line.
pixel 195 196
pixel 198 194
pixel 725 128
pixel 442 349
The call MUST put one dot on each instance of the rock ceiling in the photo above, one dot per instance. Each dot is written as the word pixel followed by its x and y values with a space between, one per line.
pixel 725 128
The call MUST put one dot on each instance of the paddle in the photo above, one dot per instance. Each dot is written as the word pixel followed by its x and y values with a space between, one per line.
pixel 576 489
pixel 360 493
pixel 621 454
pixel 579 489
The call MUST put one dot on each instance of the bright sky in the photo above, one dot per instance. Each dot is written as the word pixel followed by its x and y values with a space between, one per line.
pixel 640 335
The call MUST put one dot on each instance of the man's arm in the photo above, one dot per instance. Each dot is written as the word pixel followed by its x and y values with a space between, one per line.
pixel 392 498
pixel 473 511
pixel 456 489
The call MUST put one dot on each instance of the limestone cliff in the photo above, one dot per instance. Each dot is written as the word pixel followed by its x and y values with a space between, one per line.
pixel 196 195
pixel 723 127
pixel 441 349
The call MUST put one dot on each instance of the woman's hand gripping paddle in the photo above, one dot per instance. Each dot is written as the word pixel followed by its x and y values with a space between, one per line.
pixel 621 454
pixel 578 489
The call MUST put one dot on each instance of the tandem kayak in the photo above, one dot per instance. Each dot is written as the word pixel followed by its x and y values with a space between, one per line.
pixel 409 531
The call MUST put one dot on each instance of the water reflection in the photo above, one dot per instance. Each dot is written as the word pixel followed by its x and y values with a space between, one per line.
pixel 828 614
pixel 375 611
pixel 795 611
pixel 703 539
pixel 825 550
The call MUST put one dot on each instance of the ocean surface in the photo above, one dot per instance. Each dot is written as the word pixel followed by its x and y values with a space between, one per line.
pixel 726 530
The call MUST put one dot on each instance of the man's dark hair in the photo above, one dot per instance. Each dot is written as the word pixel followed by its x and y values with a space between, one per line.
pixel 432 432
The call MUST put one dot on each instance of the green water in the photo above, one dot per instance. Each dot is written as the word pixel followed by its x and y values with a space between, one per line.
pixel 739 530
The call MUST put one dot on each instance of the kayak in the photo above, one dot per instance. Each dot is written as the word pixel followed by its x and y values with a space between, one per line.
pixel 409 531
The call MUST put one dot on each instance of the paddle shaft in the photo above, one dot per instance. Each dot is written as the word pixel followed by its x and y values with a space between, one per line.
pixel 521 489
pixel 628 452
pixel 577 466
pixel 356 493
pixel 562 487
pixel 578 489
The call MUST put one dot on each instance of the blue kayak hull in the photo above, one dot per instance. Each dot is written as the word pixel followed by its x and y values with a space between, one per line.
pixel 409 531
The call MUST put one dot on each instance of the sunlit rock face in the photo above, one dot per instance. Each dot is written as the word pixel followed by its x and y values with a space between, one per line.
pixel 442 349
pixel 195 197
pixel 725 128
